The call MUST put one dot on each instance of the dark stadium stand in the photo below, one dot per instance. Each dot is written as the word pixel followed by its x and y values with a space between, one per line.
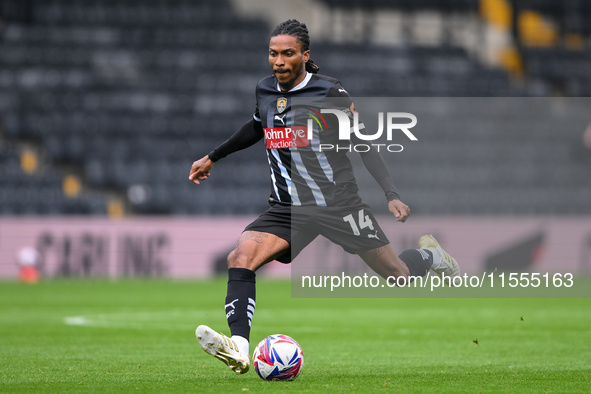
pixel 566 70
pixel 444 6
pixel 127 93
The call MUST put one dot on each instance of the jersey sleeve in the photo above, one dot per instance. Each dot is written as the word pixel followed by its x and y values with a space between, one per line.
pixel 256 116
pixel 339 98
pixel 372 159
pixel 249 134
pixel 376 166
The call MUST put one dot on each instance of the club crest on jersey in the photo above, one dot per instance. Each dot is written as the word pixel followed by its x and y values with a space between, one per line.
pixel 281 104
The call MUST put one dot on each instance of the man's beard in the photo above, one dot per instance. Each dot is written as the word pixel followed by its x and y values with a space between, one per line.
pixel 289 84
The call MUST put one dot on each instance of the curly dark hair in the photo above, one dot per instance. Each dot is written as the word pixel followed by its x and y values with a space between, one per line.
pixel 294 28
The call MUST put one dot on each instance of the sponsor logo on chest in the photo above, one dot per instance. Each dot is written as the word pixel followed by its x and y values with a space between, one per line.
pixel 286 137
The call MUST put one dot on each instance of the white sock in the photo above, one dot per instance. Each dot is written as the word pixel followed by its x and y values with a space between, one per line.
pixel 436 257
pixel 242 343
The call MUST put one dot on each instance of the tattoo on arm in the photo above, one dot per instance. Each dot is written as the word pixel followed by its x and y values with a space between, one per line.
pixel 255 236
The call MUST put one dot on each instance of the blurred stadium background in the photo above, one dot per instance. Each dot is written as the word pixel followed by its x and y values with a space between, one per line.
pixel 105 104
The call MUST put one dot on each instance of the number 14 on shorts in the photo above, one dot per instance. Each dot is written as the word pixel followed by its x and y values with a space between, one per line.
pixel 363 222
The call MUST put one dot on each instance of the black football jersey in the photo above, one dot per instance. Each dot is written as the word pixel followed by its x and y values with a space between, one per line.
pixel 302 172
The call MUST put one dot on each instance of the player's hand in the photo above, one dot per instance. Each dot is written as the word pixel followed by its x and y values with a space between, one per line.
pixel 200 169
pixel 399 209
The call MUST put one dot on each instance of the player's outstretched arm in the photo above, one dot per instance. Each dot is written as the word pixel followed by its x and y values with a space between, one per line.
pixel 376 166
pixel 249 134
pixel 200 169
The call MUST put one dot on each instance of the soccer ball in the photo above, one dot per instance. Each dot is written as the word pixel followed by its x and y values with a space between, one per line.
pixel 278 357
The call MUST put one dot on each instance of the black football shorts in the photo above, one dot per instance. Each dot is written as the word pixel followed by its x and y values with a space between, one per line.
pixel 353 227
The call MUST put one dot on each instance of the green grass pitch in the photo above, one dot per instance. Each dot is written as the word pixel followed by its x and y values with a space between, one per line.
pixel 138 336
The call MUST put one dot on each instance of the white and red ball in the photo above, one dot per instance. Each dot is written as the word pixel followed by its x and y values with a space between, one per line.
pixel 278 357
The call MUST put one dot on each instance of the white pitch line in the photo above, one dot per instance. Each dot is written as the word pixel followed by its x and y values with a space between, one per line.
pixel 172 320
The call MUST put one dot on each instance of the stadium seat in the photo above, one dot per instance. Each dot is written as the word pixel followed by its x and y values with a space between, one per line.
pixel 130 92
